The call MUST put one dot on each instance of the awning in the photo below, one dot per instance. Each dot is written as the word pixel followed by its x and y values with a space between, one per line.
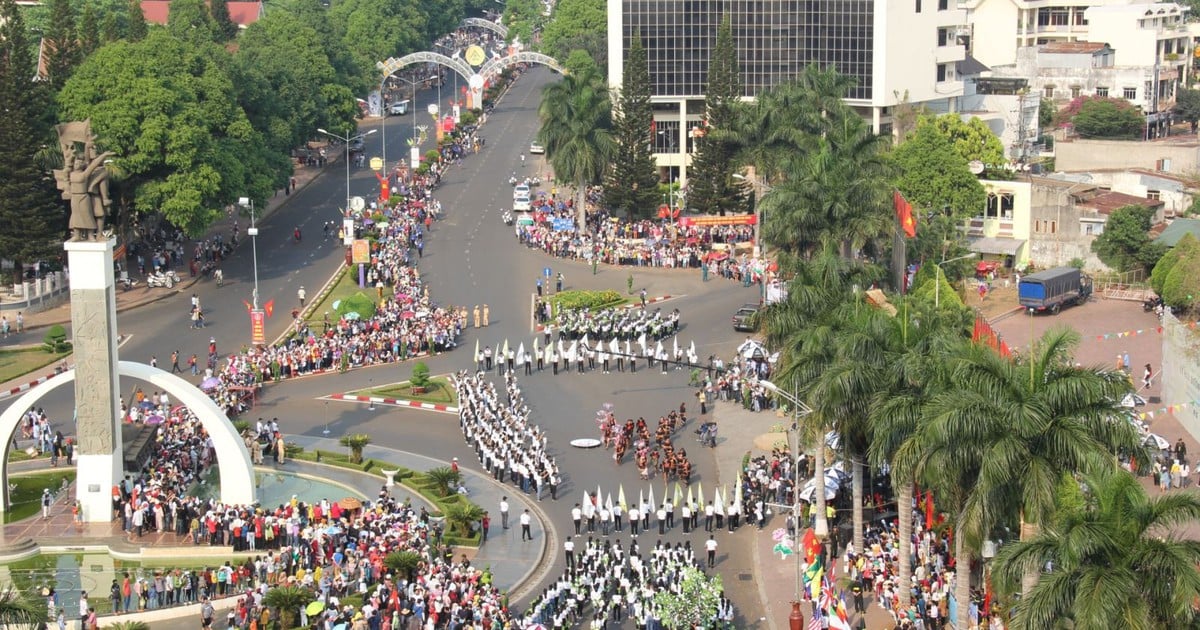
pixel 995 245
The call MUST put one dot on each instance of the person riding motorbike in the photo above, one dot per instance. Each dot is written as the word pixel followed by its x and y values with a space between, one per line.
pixel 296 233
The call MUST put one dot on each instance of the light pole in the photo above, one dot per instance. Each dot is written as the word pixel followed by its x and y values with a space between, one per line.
pixel 937 285
pixel 799 409
pixel 412 83
pixel 252 231
pixel 347 140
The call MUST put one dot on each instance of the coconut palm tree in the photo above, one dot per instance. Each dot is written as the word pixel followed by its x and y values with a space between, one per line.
pixel 462 516
pixel 996 443
pixel 1115 559
pixel 356 442
pixel 403 563
pixel 576 116
pixel 17 610
pixel 288 600
pixel 444 480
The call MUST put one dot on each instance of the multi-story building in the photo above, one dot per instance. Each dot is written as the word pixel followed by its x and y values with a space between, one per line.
pixel 897 50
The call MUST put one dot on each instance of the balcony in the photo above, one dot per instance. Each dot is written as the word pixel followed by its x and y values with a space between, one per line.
pixel 978 227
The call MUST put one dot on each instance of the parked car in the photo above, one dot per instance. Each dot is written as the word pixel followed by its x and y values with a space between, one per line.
pixel 399 109
pixel 522 204
pixel 357 145
pixel 536 148
pixel 744 318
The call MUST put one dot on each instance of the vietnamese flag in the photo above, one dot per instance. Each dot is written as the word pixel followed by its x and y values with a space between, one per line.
pixel 928 509
pixel 269 307
pixel 904 213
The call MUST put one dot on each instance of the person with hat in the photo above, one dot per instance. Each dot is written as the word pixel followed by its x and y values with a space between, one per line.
pixel 47 501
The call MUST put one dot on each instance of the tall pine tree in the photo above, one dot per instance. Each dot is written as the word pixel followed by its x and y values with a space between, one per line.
pixel 110 28
pixel 137 22
pixel 223 23
pixel 633 184
pixel 62 43
pixel 33 219
pixel 88 32
pixel 711 186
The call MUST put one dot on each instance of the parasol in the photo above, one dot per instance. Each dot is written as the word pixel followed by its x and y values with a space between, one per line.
pixel 407 315
pixel 210 383
pixel 350 503
pixel 314 608
pixel 146 404
pixel 333 530
pixel 155 419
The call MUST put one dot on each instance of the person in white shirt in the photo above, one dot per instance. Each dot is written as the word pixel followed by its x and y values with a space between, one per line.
pixel 710 546
pixel 526 520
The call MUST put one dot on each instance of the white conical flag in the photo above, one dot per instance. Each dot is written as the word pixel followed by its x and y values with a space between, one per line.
pixel 675 346
pixel 651 500
pixel 584 343
pixel 658 349
pixel 521 351
pixel 692 349
pixel 718 502
pixel 537 350
pixel 642 342
pixel 613 347
pixel 621 498
pixel 504 350
pixel 608 504
pixel 477 355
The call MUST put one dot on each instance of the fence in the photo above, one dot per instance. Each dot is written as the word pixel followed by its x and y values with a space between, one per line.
pixel 1181 371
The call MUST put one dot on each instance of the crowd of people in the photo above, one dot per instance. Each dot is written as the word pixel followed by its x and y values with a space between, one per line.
pixel 653 457
pixel 508 446
pixel 406 324
pixel 609 323
pixel 607 586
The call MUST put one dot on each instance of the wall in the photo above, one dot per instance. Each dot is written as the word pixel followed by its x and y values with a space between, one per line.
pixel 1181 372
pixel 1088 155
pixel 994 25
pixel 907 54
pixel 1050 202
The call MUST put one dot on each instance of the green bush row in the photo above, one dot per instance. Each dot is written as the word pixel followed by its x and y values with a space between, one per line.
pixel 580 299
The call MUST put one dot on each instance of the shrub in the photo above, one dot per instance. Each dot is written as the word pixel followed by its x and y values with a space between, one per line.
pixel 579 299
pixel 359 303
pixel 356 442
pixel 55 340
pixel 420 375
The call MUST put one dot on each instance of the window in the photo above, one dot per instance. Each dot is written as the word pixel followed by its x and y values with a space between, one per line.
pixel 943 5
pixel 1155 195
pixel 918 6
pixel 1087 228
pixel 1129 93
pixel 1053 226
pixel 1048 91
pixel 999 204
pixel 1053 16
pixel 1037 226
pixel 1075 91
pixel 941 72
pixel 1102 91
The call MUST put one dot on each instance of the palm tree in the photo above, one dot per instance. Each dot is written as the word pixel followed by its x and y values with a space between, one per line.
pixel 462 516
pixel 288 600
pixel 356 442
pixel 576 116
pixel 444 479
pixel 17 610
pixel 403 563
pixel 996 442
pixel 1115 558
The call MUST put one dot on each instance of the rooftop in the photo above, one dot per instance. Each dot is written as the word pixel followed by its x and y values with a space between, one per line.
pixel 242 13
pixel 1176 229
pixel 1106 202
pixel 1073 48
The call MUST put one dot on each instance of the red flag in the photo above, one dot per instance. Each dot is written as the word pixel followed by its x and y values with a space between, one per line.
pixel 904 213
pixel 928 509
pixel 248 306
pixel 269 307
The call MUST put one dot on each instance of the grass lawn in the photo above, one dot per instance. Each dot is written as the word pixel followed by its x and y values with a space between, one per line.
pixel 19 455
pixel 17 363
pixel 439 392
pixel 27 492
pixel 346 286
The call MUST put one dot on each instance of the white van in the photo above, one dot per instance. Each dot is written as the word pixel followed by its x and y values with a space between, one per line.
pixel 399 109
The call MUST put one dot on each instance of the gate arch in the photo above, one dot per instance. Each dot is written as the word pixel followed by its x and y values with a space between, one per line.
pixel 495 65
pixel 233 460
pixel 487 25
pixel 392 65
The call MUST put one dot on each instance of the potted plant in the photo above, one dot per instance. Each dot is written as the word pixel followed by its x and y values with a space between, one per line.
pixel 420 378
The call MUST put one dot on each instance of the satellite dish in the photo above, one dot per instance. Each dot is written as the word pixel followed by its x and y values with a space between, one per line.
pixel 976 167
pixel 357 203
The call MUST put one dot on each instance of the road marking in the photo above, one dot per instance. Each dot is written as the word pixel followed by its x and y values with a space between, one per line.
pixel 393 402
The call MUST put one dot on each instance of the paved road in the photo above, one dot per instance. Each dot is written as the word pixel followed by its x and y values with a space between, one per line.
pixel 471 258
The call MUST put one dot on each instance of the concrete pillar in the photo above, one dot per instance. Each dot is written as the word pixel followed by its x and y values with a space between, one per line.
pixel 94 331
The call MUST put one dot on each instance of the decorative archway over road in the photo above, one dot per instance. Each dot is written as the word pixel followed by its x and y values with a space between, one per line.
pixel 487 25
pixel 475 79
pixel 233 460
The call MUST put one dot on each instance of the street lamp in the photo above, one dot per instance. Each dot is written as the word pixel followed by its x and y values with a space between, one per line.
pixel 347 140
pixel 821 529
pixel 760 189
pixel 937 285
pixel 252 231
pixel 413 84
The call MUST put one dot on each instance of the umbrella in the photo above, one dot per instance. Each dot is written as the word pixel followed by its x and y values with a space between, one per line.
pixel 352 315
pixel 336 303
pixel 314 608
pixel 331 530
pixel 156 419
pixel 808 493
pixel 536 626
pixel 340 626
pixel 146 404
pixel 407 315
pixel 1156 440
pixel 210 383
pixel 350 503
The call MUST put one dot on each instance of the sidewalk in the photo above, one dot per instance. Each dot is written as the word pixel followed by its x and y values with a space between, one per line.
pixel 776 577
pixel 141 294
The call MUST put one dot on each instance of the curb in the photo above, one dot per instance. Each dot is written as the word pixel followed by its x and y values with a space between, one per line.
pixel 21 388
pixel 395 402
pixel 649 301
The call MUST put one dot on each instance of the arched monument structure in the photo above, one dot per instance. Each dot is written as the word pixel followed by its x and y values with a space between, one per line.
pixel 233 460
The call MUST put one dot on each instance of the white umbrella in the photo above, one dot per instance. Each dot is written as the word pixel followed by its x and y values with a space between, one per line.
pixel 1156 440
pixel 833 440
pixel 808 493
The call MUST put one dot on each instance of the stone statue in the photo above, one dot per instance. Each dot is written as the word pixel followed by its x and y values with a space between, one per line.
pixel 83 180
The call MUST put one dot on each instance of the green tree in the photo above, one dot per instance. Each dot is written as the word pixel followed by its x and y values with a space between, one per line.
pixel 975 141
pixel 996 443
pixel 18 610
pixel 110 28
pixel 524 18
pixel 632 183
pixel 462 518
pixel 223 26
pixel 938 182
pixel 88 34
pixel 288 600
pixel 571 20
pixel 1181 287
pixel 1114 556
pixel 1046 112
pixel 1187 106
pixel 444 480
pixel 190 21
pixel 138 28
pixel 403 563
pixel 1183 249
pixel 711 186
pixel 356 442
pixel 1125 244
pixel 695 605
pixel 62 43
pixel 33 218
pixel 1107 118
pixel 168 109
pixel 377 29
pixel 576 129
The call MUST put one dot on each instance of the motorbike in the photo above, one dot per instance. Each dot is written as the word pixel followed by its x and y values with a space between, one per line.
pixel 127 283
pixel 512 181
pixel 507 218
pixel 535 181
pixel 162 279
pixel 219 276
pixel 1152 303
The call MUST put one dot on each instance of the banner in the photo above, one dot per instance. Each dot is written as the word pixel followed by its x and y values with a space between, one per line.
pixel 258 327
pixel 360 251
pixel 562 225
pixel 733 219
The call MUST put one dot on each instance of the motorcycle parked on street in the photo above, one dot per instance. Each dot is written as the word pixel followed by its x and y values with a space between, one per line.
pixel 166 279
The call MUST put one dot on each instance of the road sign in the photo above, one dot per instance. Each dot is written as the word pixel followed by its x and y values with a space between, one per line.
pixel 360 251
pixel 347 231
pixel 546 272
pixel 376 164
pixel 357 203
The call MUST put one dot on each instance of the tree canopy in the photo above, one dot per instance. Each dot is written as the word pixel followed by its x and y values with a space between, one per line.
pixel 1108 118
pixel 633 183
pixel 1125 244
pixel 711 186
pixel 1181 280
pixel 974 141
pixel 575 25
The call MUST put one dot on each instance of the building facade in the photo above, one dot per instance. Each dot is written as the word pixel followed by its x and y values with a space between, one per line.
pixel 893 50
